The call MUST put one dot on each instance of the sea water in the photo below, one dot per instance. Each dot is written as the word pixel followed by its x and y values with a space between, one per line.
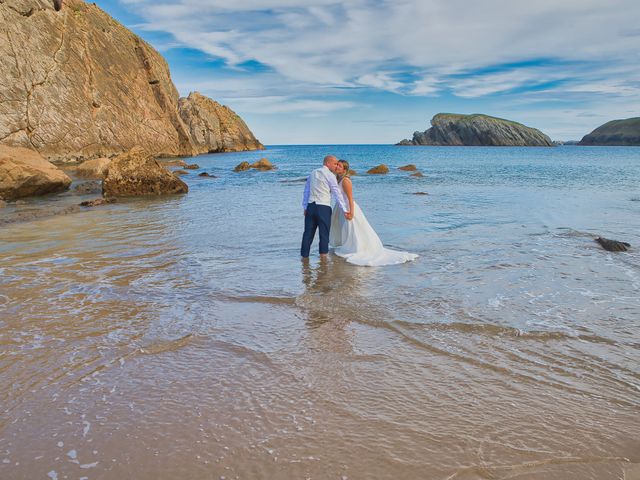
pixel 182 337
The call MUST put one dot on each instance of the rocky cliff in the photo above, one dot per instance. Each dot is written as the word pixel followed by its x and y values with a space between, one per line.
pixel 75 84
pixel 214 127
pixel 615 132
pixel 477 129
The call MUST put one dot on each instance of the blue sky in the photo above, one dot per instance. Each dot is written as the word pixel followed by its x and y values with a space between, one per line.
pixel 374 71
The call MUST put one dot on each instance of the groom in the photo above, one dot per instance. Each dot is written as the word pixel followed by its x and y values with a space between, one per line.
pixel 316 203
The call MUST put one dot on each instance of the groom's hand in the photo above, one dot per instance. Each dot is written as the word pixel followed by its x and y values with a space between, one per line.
pixel 305 213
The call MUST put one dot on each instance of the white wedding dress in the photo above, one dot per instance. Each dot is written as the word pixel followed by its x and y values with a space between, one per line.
pixel 358 243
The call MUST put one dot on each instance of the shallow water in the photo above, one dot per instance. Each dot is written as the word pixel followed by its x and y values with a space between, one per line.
pixel 183 338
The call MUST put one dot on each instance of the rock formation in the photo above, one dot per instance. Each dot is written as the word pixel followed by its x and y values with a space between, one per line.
pixel 174 163
pixel 23 173
pixel 75 84
pixel 242 166
pixel 85 188
pixel 479 130
pixel 408 168
pixel 612 245
pixel 97 202
pixel 263 164
pixel 379 170
pixel 214 127
pixel 136 173
pixel 615 132
pixel 95 168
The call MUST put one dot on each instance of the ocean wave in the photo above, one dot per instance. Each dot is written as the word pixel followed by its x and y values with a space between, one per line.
pixel 507 331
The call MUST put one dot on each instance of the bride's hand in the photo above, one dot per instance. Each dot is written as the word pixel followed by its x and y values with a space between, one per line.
pixel 348 215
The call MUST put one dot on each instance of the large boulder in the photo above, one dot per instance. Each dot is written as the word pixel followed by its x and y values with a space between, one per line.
pixel 24 173
pixel 478 130
pixel 136 173
pixel 75 85
pixel 215 127
pixel 93 169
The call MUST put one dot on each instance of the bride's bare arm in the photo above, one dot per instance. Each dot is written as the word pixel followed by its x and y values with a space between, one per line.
pixel 348 190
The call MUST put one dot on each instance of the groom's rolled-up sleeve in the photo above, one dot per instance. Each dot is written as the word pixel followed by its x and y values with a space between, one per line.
pixel 305 196
pixel 337 192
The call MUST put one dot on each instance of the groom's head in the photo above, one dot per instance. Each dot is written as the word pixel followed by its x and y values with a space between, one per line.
pixel 331 162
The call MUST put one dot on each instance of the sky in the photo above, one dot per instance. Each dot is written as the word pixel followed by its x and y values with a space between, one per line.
pixel 375 71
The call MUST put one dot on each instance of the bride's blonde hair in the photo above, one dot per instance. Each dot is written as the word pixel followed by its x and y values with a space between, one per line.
pixel 345 164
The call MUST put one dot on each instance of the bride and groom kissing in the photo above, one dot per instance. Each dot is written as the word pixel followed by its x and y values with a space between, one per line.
pixel 344 228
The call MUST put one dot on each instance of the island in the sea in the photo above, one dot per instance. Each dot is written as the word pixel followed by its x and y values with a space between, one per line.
pixel 615 132
pixel 478 130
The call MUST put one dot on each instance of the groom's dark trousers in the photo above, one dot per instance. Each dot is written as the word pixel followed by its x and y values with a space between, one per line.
pixel 317 217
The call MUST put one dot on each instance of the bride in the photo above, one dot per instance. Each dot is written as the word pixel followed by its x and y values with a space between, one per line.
pixel 356 240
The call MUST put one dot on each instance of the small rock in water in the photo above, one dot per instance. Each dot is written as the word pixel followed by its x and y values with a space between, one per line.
pixel 263 164
pixel 88 187
pixel 193 166
pixel 241 167
pixel 420 193
pixel 180 172
pixel 97 201
pixel 175 163
pixel 352 173
pixel 613 245
pixel 408 168
pixel 379 170
pixel 205 174
pixel 417 174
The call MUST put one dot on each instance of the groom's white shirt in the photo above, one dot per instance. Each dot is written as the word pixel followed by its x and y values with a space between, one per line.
pixel 319 187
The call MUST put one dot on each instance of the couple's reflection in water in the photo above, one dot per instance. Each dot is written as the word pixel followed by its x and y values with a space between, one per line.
pixel 333 299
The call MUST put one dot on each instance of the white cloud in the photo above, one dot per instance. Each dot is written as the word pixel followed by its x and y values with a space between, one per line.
pixel 285 104
pixel 349 43
pixel 380 80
